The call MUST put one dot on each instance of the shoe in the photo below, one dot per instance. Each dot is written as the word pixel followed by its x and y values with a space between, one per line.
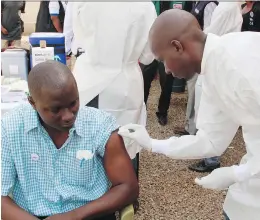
pixel 202 167
pixel 181 131
pixel 162 119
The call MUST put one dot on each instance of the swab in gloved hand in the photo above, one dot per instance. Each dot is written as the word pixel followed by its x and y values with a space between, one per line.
pixel 132 147
pixel 136 133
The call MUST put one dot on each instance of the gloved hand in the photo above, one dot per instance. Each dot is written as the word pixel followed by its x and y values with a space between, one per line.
pixel 137 133
pixel 219 179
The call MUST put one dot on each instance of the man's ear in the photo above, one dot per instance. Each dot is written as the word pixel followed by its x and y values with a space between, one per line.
pixel 32 102
pixel 177 45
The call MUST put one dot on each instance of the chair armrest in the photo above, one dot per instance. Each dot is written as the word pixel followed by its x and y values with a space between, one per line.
pixel 127 213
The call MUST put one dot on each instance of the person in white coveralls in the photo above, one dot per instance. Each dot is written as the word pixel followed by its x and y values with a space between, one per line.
pixel 115 38
pixel 230 98
pixel 226 18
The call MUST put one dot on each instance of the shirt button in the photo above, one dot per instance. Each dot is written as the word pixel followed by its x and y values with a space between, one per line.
pixel 57 182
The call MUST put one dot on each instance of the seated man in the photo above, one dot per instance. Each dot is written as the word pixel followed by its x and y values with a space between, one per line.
pixel 59 161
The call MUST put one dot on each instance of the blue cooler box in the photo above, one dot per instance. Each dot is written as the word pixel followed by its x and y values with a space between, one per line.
pixel 56 40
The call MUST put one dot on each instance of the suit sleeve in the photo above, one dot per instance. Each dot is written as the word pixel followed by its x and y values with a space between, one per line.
pixel 215 132
pixel 54 8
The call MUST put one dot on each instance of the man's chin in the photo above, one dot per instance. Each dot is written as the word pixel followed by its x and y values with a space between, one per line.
pixel 178 76
pixel 65 128
pixel 188 76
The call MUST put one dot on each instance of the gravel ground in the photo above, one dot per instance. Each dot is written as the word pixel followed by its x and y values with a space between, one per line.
pixel 168 191
pixel 167 186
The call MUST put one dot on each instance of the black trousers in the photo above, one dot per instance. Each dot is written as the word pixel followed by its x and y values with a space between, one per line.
pixel 107 217
pixel 23 6
pixel 166 82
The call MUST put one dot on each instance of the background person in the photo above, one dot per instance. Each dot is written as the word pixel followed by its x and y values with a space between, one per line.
pixel 108 74
pixel 251 16
pixel 50 17
pixel 166 80
pixel 202 10
pixel 11 24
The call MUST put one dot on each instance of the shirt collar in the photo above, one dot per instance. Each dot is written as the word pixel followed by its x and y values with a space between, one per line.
pixel 79 124
pixel 210 45
pixel 32 121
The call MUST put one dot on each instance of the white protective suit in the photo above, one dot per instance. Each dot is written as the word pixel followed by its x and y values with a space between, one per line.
pixel 230 98
pixel 70 44
pixel 226 18
pixel 115 37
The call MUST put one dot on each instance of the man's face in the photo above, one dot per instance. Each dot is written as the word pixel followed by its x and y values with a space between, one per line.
pixel 58 108
pixel 176 60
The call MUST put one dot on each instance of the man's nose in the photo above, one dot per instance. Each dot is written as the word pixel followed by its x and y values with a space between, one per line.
pixel 67 115
pixel 167 71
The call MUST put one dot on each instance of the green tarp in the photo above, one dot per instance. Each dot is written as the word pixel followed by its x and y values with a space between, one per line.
pixel 173 4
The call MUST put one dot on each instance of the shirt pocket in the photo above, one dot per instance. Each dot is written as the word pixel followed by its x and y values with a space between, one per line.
pixel 79 172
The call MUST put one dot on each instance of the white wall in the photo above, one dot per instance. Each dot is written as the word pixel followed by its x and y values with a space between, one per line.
pixel 29 18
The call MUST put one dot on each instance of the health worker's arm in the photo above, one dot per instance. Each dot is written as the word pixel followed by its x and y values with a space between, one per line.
pixel 120 172
pixel 215 132
pixel 10 211
pixel 54 10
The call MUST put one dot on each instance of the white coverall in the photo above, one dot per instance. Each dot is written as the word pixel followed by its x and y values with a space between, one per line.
pixel 115 37
pixel 68 31
pixel 190 125
pixel 226 18
pixel 71 44
pixel 230 98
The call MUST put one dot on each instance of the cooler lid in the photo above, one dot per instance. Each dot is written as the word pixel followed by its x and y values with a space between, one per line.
pixel 13 52
pixel 50 38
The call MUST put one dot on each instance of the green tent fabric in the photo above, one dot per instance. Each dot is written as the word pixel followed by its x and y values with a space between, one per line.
pixel 157 7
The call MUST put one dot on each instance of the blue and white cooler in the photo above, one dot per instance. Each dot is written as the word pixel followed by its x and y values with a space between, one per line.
pixel 54 50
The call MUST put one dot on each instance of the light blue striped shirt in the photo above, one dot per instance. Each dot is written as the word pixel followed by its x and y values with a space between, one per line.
pixel 45 180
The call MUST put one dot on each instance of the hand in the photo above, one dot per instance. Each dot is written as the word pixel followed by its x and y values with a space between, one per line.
pixel 219 179
pixel 4 31
pixel 64 216
pixel 137 133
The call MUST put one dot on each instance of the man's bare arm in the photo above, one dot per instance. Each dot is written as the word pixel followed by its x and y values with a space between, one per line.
pixel 11 211
pixel 121 173
pixel 3 30
pixel 57 24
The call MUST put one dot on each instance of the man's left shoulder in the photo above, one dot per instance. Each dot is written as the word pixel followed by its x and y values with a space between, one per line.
pixel 89 115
